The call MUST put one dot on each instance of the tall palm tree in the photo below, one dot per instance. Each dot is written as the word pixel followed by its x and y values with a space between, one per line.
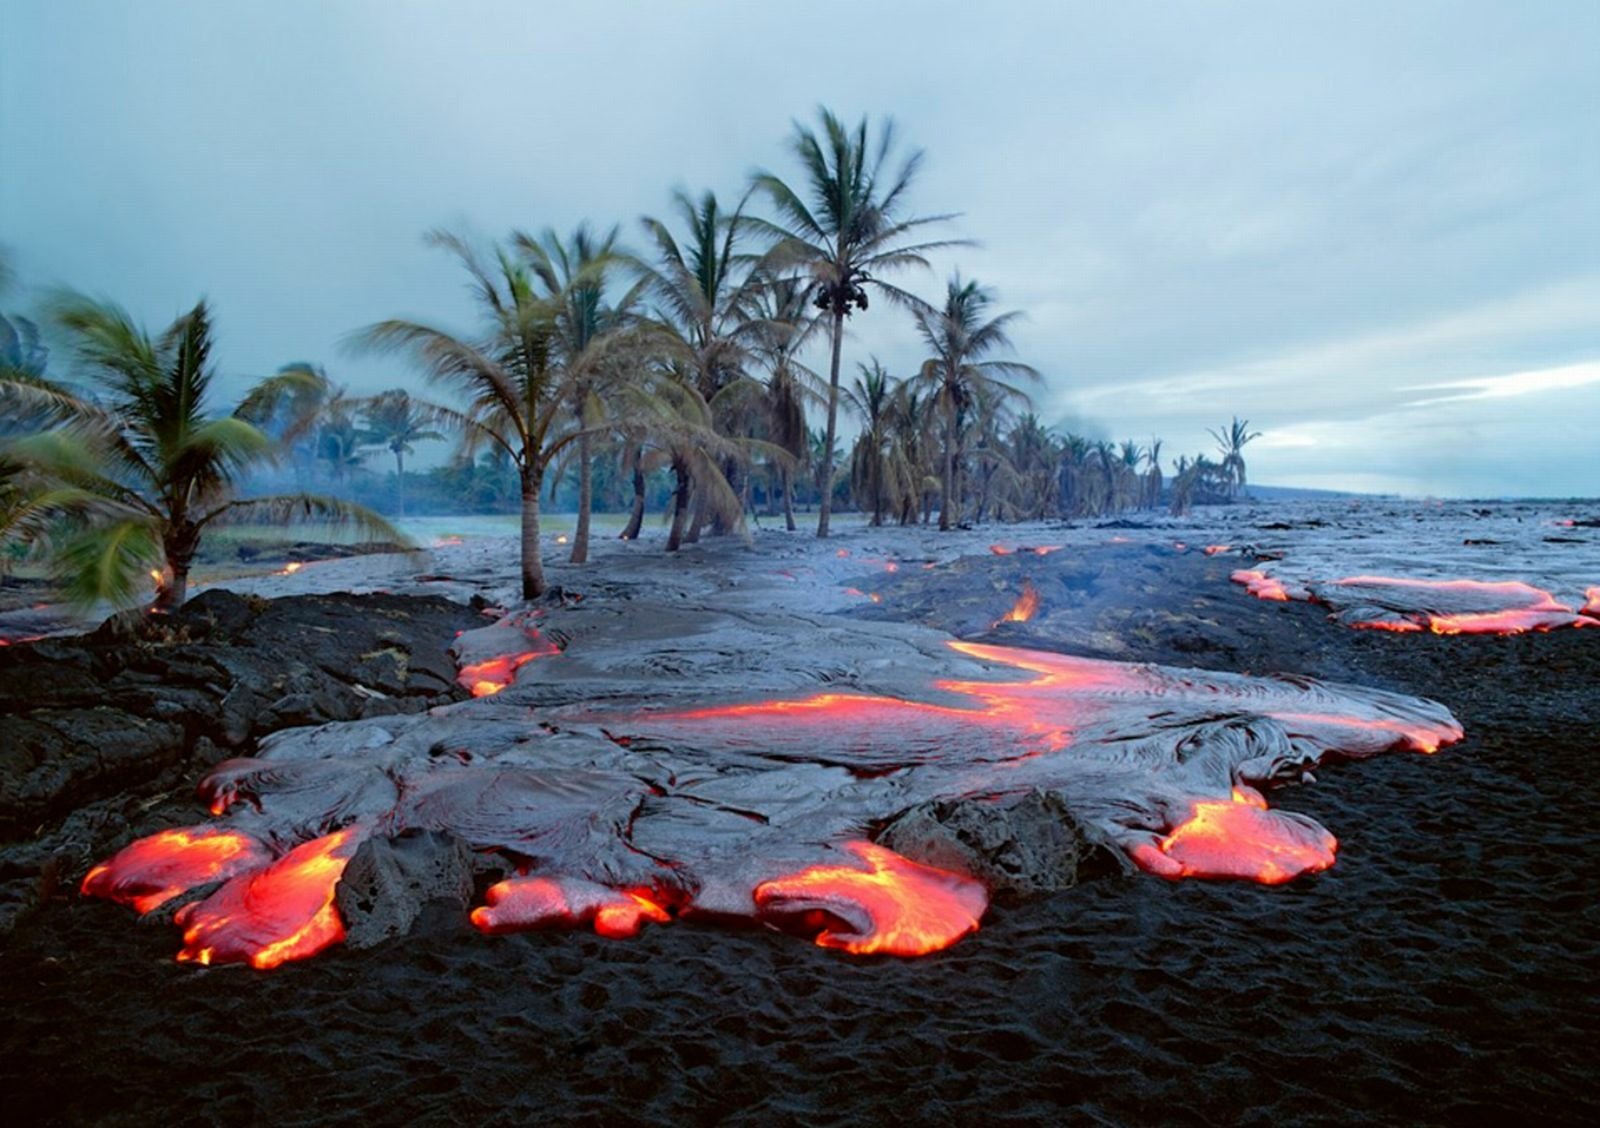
pixel 960 335
pixel 1152 476
pixel 784 322
pixel 872 398
pixel 1231 441
pixel 518 392
pixel 590 335
pixel 706 291
pixel 845 228
pixel 143 474
pixel 393 419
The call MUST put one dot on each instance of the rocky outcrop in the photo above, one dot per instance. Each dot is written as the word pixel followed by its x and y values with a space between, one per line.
pixel 143 697
pixel 391 881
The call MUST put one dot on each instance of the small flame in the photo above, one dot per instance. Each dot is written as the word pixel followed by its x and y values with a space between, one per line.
pixel 291 568
pixel 561 539
pixel 1025 607
pixel 1000 550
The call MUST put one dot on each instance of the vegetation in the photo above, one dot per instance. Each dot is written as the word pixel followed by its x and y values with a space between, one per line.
pixel 670 378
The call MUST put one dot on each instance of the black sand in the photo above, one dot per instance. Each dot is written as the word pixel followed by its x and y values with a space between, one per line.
pixel 1444 971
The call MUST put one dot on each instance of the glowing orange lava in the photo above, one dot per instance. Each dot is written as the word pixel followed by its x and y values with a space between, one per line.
pixel 893 906
pixel 152 871
pixel 1218 549
pixel 280 913
pixel 1026 606
pixel 1261 585
pixel 451 541
pixel 1000 550
pixel 521 903
pixel 1591 604
pixel 484 679
pixel 1523 606
pixel 1239 837
pixel 1047 549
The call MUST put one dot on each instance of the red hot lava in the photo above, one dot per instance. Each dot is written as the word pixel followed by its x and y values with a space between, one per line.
pixel 565 902
pixel 484 679
pixel 892 906
pixel 1261 585
pixel 1026 606
pixel 1240 837
pixel 150 872
pixel 1523 607
pixel 280 913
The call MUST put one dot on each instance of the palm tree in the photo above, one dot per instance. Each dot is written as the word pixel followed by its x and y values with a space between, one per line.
pixel 872 398
pixel 706 294
pixel 142 476
pixel 518 392
pixel 589 333
pixel 959 337
pixel 393 419
pixel 1152 476
pixel 844 230
pixel 1231 441
pixel 784 322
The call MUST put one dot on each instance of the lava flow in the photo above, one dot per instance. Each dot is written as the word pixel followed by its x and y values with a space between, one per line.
pixel 1240 837
pixel 152 871
pixel 892 907
pixel 280 913
pixel 486 678
pixel 563 902
pixel 1026 606
pixel 512 643
pixel 1261 585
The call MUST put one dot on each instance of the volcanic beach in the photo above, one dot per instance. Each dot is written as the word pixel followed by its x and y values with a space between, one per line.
pixel 1443 967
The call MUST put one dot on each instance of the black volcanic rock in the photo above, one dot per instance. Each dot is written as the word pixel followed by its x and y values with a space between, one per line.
pixel 390 881
pixel 87 718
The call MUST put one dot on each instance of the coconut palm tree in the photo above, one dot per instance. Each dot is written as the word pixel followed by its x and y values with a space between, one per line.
pixel 519 393
pixel 871 398
pixel 142 474
pixel 784 321
pixel 1231 441
pixel 394 420
pixel 593 339
pixel 844 229
pixel 960 336
pixel 1152 475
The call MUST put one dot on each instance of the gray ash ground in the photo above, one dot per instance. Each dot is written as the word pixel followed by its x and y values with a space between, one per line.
pixel 1446 969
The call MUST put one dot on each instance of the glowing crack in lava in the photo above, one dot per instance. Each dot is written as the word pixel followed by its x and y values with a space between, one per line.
pixel 629 809
pixel 555 902
pixel 281 912
pixel 152 871
pixel 892 907
pixel 1408 606
pixel 1025 607
pixel 489 658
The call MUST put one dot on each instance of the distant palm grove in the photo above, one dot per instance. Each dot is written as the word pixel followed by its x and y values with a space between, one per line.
pixel 668 372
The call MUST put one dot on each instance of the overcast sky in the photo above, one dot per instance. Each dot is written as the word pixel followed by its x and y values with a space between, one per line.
pixel 1373 229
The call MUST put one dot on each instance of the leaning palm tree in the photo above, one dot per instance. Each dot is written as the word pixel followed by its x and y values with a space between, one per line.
pixel 393 419
pixel 1231 441
pixel 845 228
pixel 960 335
pixel 519 395
pixel 141 474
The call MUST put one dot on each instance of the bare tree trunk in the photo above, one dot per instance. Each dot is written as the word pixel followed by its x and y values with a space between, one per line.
pixel 825 474
pixel 532 566
pixel 788 500
pixel 680 507
pixel 580 535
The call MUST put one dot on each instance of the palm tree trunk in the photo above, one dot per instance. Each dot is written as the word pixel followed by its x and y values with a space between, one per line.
pixel 400 482
pixel 532 566
pixel 947 480
pixel 825 476
pixel 680 507
pixel 636 518
pixel 697 516
pixel 580 535
pixel 788 500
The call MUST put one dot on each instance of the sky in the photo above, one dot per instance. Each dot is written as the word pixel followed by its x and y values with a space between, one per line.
pixel 1370 228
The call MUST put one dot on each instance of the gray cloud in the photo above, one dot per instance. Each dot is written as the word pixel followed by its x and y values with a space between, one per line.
pixel 1299 215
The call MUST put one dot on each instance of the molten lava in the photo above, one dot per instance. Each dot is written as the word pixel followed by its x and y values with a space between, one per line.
pixel 564 902
pixel 1591 602
pixel 1240 837
pixel 1218 549
pixel 892 906
pixel 1261 585
pixel 280 913
pixel 1026 606
pixel 484 679
pixel 152 871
